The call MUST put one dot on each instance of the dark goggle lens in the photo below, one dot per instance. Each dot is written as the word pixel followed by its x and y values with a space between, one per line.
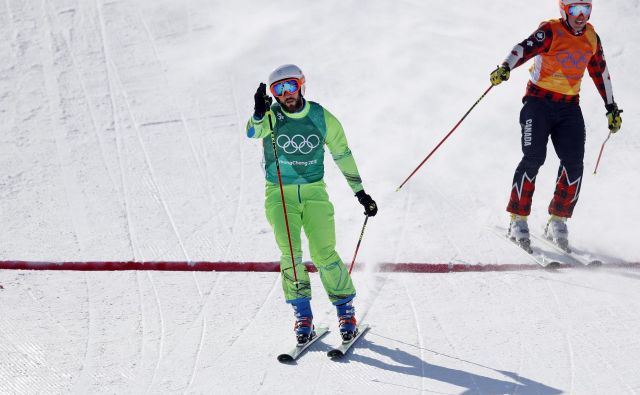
pixel 290 86
pixel 577 9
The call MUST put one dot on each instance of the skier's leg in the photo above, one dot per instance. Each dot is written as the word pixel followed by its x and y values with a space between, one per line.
pixel 275 215
pixel 319 226
pixel 568 139
pixel 534 122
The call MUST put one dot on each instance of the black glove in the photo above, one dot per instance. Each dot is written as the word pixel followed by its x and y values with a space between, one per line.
pixel 613 117
pixel 370 207
pixel 262 101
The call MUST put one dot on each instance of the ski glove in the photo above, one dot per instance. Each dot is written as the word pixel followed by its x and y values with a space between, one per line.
pixel 370 207
pixel 500 74
pixel 613 116
pixel 262 101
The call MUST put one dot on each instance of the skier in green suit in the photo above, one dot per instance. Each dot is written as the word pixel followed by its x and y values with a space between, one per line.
pixel 301 129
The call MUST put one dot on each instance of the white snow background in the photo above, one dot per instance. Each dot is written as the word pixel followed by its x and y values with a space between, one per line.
pixel 123 139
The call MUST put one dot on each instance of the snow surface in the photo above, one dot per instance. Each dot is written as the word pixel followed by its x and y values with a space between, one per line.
pixel 123 140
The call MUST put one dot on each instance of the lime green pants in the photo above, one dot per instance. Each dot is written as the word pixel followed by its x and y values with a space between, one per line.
pixel 308 208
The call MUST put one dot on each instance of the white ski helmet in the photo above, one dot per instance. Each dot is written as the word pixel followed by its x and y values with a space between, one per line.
pixel 564 3
pixel 287 71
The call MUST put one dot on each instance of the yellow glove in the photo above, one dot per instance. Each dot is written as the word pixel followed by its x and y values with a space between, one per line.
pixel 500 74
pixel 613 117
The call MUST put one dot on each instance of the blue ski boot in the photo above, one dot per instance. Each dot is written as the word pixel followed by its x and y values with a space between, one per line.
pixel 303 326
pixel 347 321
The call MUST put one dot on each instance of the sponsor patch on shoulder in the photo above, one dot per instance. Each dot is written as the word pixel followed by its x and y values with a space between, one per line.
pixel 540 36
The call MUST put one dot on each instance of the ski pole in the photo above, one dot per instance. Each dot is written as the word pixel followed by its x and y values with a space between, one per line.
pixel 445 138
pixel 366 218
pixel 600 154
pixel 284 206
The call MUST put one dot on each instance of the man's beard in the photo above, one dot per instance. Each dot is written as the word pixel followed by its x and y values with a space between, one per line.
pixel 293 107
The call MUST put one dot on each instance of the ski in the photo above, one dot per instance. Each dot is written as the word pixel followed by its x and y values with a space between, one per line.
pixel 584 259
pixel 536 255
pixel 297 351
pixel 343 348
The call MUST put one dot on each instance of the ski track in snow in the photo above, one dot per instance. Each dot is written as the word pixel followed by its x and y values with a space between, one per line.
pixel 202 314
pixel 153 179
pixel 157 189
pixel 110 69
pixel 521 345
pixel 442 231
pixel 195 156
pixel 570 332
pixel 188 136
pixel 85 359
pixel 419 333
pixel 453 244
pixel 185 125
pixel 57 324
pixel 239 199
pixel 447 338
pixel 462 213
pixel 143 337
pixel 162 333
pixel 54 26
pixel 14 32
pixel 565 334
pixel 610 366
pixel 604 358
pixel 319 376
pixel 196 360
pixel 206 174
pixel 51 86
pixel 115 81
pixel 249 323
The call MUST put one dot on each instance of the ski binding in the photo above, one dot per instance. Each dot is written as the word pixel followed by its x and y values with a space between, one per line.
pixel 299 350
pixel 342 349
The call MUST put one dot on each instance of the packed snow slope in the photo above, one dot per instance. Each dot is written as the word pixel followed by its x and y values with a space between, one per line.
pixel 123 139
pixel 124 126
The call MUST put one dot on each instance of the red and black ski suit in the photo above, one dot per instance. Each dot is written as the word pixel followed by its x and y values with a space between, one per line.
pixel 551 109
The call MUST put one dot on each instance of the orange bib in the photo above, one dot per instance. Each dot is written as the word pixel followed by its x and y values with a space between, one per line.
pixel 561 68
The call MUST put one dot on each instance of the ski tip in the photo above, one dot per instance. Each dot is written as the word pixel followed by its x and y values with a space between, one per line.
pixel 335 354
pixel 284 358
pixel 552 265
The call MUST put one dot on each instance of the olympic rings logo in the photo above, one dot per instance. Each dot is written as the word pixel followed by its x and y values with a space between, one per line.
pixel 298 143
pixel 576 59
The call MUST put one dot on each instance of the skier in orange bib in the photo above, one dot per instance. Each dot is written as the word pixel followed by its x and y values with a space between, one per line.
pixel 562 50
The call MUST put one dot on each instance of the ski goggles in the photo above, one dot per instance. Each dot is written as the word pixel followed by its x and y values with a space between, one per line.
pixel 577 9
pixel 291 85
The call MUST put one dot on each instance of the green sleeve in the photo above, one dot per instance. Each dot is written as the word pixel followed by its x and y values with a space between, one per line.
pixel 337 143
pixel 259 128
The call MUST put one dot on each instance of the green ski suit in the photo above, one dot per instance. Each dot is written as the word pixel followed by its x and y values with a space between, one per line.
pixel 300 140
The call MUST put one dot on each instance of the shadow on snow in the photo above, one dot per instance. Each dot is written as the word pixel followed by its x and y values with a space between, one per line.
pixel 474 383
